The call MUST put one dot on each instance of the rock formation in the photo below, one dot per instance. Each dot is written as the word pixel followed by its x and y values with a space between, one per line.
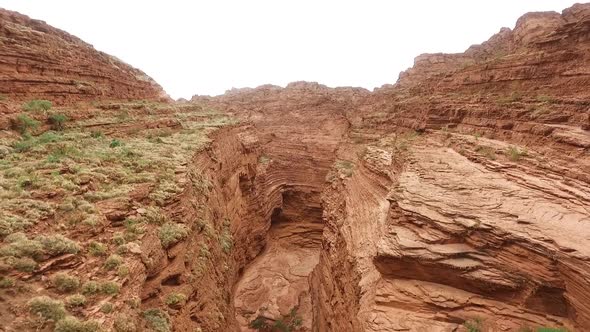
pixel 41 62
pixel 456 198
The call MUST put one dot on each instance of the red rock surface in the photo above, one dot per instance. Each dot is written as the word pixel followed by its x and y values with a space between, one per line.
pixel 41 62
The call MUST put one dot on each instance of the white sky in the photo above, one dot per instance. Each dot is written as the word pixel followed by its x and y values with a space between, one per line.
pixel 207 47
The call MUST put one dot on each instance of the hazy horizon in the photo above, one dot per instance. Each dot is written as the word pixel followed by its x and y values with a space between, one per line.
pixel 207 48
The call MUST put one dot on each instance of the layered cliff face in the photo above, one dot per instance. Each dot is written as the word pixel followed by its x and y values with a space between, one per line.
pixel 453 200
pixel 38 61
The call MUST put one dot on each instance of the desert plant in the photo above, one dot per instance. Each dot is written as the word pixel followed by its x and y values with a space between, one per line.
pixel 106 308
pixel 47 308
pixel 37 105
pixel 57 244
pixel 473 325
pixel 157 319
pixel 109 288
pixel 57 121
pixel 65 283
pixel 175 300
pixel 123 271
pixel 90 288
pixel 23 264
pixel 76 300
pixel 115 143
pixel 172 233
pixel 24 124
pixel 73 324
pixel 96 134
pixel 515 154
pixel 97 249
pixel 113 262
pixel 124 323
pixel 6 282
pixel 550 329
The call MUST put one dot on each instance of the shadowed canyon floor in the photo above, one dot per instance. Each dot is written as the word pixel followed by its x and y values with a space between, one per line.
pixel 457 199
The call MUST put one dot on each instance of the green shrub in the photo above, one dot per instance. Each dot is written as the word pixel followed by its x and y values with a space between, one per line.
pixel 57 121
pixel 90 288
pixel 157 319
pixel 23 124
pixel 124 323
pixel 37 105
pixel 109 288
pixel 57 244
pixel 47 308
pixel 115 143
pixel 172 233
pixel 18 245
pixel 175 300
pixel 97 249
pixel 76 300
pixel 474 325
pixel 73 324
pixel 23 145
pixel 23 264
pixel 113 262
pixel 123 271
pixel 6 282
pixel 550 329
pixel 65 283
pixel 106 308
pixel 153 215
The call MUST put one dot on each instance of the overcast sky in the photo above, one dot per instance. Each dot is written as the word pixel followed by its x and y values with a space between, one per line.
pixel 207 47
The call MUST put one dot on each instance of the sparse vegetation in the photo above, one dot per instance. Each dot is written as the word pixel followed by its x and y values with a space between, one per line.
pixel 73 324
pixel 57 121
pixel 288 323
pixel 37 105
pixel 106 308
pixel 115 143
pixel 90 288
pixel 344 167
pixel 124 323
pixel 24 124
pixel 474 325
pixel 157 319
pixel 65 283
pixel 97 249
pixel 47 308
pixel 113 262
pixel 515 154
pixel 175 300
pixel 488 152
pixel 172 233
pixel 225 238
pixel 109 288
pixel 6 282
pixel 76 300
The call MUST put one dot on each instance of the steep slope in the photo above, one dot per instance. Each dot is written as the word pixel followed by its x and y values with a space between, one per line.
pixel 41 62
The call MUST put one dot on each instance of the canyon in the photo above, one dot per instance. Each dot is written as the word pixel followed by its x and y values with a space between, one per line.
pixel 452 200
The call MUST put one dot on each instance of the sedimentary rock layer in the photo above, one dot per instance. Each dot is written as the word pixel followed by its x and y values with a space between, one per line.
pixel 41 62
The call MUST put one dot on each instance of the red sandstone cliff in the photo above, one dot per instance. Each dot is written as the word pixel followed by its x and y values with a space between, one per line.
pixel 41 62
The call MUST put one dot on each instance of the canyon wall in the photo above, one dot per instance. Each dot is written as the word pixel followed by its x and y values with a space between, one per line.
pixel 457 197
pixel 38 61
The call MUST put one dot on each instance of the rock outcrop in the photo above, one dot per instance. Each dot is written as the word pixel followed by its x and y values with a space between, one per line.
pixel 41 62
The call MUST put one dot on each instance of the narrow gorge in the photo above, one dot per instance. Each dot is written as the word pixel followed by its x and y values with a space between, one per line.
pixel 453 200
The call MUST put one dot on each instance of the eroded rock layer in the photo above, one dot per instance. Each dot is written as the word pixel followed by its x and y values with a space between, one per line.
pixel 41 62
